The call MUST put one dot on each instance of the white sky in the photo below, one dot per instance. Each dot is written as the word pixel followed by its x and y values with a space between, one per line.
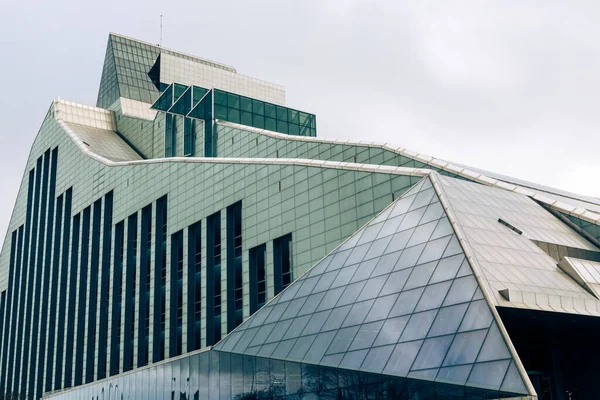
pixel 507 86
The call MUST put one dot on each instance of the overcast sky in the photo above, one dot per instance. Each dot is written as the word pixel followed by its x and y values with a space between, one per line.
pixel 508 86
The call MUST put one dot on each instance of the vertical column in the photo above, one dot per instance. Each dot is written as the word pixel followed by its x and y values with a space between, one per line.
pixel 82 298
pixel 123 319
pixel 20 370
pixel 12 279
pixel 116 299
pixel 68 360
pixel 194 287
pixel 38 350
pixel 103 303
pixel 184 291
pixel 235 288
pixel 160 281
pixel 130 288
pixel 137 291
pixel 47 359
pixel 145 284
pixel 204 287
pixel 92 311
pixel 62 298
pixel 213 286
pixel 176 295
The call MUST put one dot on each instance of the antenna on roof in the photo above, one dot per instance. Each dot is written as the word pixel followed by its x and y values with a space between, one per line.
pixel 160 43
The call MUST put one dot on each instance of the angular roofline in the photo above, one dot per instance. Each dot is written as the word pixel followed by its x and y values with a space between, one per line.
pixel 204 60
pixel 476 269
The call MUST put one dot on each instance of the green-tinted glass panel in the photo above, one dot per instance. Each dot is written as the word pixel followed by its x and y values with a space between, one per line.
pixel 293 129
pixel 270 124
pixel 282 113
pixel 258 121
pixel 178 90
pixel 184 104
pixel 233 100
pixel 282 127
pixel 270 110
pixel 233 115
pixel 246 118
pixel 203 110
pixel 220 111
pixel 197 94
pixel 220 98
pixel 245 104
pixel 293 116
pixel 165 101
pixel 258 107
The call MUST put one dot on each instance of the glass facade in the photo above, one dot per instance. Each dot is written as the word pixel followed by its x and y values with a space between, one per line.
pixel 282 260
pixel 221 375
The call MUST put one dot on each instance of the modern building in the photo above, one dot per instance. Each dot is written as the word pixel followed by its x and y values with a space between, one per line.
pixel 191 237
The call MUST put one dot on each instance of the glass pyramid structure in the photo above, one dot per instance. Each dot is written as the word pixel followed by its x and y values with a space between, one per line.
pixel 398 298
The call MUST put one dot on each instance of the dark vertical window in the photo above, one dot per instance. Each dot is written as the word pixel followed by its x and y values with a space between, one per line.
pixel 35 274
pixel 170 135
pixel 130 287
pixel 18 295
pixel 68 363
pixel 44 264
pixel 194 286
pixel 62 301
pixel 93 301
pixel 258 277
pixel 235 287
pixel 11 303
pixel 25 319
pixel 117 295
pixel 145 280
pixel 5 312
pixel 51 332
pixel 282 262
pixel 105 284
pixel 83 278
pixel 176 323
pixel 38 344
pixel 189 137
pixel 213 277
pixel 3 301
pixel 160 280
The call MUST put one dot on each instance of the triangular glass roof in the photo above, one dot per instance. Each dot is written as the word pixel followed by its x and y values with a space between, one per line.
pixel 183 105
pixel 165 100
pixel 203 110
pixel 398 298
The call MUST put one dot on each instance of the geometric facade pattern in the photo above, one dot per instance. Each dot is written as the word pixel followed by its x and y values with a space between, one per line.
pixel 191 237
pixel 397 298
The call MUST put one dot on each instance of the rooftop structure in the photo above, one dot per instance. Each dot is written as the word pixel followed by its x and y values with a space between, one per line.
pixel 190 236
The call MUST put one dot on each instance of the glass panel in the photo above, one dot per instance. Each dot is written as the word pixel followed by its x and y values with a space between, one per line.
pixel 478 316
pixel 381 308
pixel 406 302
pixel 343 339
pixel 336 318
pixel 297 326
pixel 447 268
pixel 358 313
pixel 418 325
pixel 494 347
pixel 462 290
pixel 458 374
pixel 409 257
pixel 402 358
pixel 372 288
pixel 395 282
pixel 386 263
pixel 448 320
pixel 465 348
pixel 391 330
pixel 316 322
pixel 366 335
pixel 420 275
pixel 488 374
pixel 319 347
pixel 513 381
pixel 377 358
pixel 433 296
pixel 353 359
pixel 435 249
